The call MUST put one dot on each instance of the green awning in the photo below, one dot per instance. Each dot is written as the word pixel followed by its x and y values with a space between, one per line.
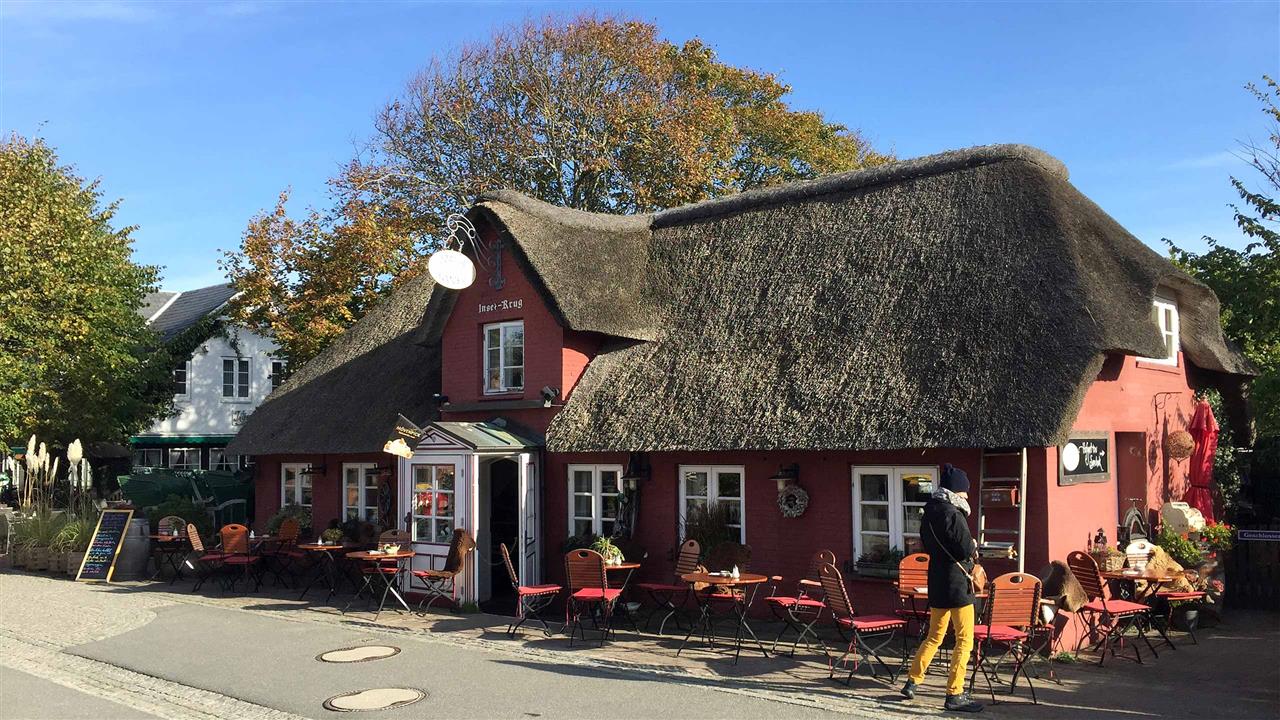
pixel 484 436
pixel 180 440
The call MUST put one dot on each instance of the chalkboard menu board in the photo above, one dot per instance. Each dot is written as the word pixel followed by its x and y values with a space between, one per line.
pixel 100 559
pixel 1084 458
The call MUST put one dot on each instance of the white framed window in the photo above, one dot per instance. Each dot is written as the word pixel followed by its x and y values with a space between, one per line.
pixel 1165 314
pixel 504 357
pixel 295 484
pixel 277 374
pixel 181 379
pixel 360 491
pixel 593 499
pixel 220 460
pixel 887 505
pixel 701 485
pixel 184 458
pixel 433 503
pixel 148 457
pixel 235 379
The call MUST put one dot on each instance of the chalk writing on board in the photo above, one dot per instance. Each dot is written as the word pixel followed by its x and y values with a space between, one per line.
pixel 100 558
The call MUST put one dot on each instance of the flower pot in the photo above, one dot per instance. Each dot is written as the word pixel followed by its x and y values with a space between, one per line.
pixel 881 570
pixel 1186 617
pixel 73 563
pixel 57 561
pixel 19 554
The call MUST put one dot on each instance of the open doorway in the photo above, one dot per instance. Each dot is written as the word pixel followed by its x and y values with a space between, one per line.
pixel 1131 483
pixel 502 508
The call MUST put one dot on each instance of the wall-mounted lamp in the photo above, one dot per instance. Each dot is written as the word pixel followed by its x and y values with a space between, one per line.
pixel 312 470
pixel 549 395
pixel 637 470
pixel 439 399
pixel 787 475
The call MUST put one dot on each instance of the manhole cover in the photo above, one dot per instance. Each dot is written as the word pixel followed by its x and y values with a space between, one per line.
pixel 374 699
pixel 361 653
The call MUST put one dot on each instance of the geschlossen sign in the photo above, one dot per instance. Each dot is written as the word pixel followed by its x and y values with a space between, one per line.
pixel 1084 458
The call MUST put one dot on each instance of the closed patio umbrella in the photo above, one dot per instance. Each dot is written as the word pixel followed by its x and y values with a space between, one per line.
pixel 1204 429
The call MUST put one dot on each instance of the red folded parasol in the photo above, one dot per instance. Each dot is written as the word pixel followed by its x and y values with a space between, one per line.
pixel 1204 429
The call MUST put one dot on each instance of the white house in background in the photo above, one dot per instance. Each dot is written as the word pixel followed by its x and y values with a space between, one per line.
pixel 227 376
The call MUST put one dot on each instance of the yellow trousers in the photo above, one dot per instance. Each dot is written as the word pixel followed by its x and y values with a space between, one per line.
pixel 959 619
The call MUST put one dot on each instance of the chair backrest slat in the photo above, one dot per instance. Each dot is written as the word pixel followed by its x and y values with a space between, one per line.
pixel 459 548
pixel 687 559
pixel 585 569
pixel 193 537
pixel 511 569
pixel 235 539
pixel 1085 568
pixel 913 572
pixel 169 523
pixel 288 530
pixel 834 593
pixel 820 558
pixel 1013 599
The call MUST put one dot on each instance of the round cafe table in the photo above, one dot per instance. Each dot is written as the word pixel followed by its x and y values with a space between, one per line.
pixel 629 568
pixel 328 566
pixel 391 580
pixel 746 585
pixel 1153 579
pixel 170 548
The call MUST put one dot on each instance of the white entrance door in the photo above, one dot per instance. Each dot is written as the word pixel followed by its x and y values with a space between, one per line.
pixel 436 501
pixel 530 520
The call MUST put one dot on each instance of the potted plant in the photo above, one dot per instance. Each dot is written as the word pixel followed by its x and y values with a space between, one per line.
pixel 332 536
pixel 72 542
pixel 605 547
pixel 43 527
pixel 881 562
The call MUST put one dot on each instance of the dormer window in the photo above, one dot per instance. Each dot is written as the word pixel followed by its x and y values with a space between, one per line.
pixel 504 357
pixel 1165 314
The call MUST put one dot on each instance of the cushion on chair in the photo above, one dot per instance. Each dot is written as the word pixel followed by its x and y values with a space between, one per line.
pixel 1116 607
pixel 434 574
pixel 375 569
pixel 1178 595
pixel 212 557
pixel 539 589
pixel 662 587
pixel 597 594
pixel 872 623
pixel 787 602
pixel 999 633
pixel 240 559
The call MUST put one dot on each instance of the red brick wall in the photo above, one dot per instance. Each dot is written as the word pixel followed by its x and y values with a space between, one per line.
pixel 326 489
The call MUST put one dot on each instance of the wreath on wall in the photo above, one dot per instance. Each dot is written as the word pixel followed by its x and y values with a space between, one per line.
pixel 1180 444
pixel 793 500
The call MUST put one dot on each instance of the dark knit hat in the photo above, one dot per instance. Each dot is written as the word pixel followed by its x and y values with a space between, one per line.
pixel 954 479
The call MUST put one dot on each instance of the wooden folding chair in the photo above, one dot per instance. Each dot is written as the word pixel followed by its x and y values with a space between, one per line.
pixel 283 551
pixel 1013 599
pixel 588 590
pixel 664 595
pixel 800 612
pixel 206 562
pixel 1109 618
pixel 238 554
pixel 442 584
pixel 170 552
pixel 862 629
pixel 913 572
pixel 531 600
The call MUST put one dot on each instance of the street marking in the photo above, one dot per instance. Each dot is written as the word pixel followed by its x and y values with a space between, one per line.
pixel 363 653
pixel 374 699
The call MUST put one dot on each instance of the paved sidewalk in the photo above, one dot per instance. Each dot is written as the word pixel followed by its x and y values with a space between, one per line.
pixel 254 654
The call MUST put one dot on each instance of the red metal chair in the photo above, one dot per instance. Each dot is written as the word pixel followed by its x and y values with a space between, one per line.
pixel 206 562
pixel 861 629
pixel 531 600
pixel 801 611
pixel 237 553
pixel 1109 618
pixel 588 591
pixel 442 584
pixel 665 595
pixel 1013 599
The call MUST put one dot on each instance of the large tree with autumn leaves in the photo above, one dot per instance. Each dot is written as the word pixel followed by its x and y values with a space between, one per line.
pixel 594 113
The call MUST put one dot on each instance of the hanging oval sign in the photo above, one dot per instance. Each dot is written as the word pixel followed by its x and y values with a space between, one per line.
pixel 451 269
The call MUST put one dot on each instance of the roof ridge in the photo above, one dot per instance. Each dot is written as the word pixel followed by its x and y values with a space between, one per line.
pixel 164 307
pixel 926 165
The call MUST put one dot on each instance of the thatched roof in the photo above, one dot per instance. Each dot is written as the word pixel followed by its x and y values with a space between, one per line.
pixel 960 300
pixel 966 299
pixel 345 400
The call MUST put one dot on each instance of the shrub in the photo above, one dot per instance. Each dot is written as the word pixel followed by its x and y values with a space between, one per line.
pixel 1219 536
pixel 1182 550
pixel 185 508
pixel 299 513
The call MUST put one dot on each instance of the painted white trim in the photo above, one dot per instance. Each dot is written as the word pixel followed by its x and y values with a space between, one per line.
pixel 363 469
pixel 1161 304
pixel 186 367
pixel 297 468
pixel 484 364
pixel 236 397
pixel 196 450
pixel 893 501
pixel 597 495
pixel 163 307
pixel 713 492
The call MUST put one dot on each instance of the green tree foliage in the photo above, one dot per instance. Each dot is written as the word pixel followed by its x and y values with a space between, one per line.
pixel 594 113
pixel 1247 281
pixel 76 359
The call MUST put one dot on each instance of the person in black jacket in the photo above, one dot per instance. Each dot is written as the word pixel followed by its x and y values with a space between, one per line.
pixel 944 530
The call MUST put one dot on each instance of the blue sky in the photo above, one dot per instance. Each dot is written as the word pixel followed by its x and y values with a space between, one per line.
pixel 197 116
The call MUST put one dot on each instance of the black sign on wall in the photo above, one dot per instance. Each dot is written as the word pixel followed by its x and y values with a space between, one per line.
pixel 100 559
pixel 1084 458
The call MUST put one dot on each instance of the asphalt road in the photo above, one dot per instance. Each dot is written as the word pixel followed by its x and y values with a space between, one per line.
pixel 27 697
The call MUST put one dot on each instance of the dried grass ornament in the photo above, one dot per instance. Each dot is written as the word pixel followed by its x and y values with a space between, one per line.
pixel 1180 445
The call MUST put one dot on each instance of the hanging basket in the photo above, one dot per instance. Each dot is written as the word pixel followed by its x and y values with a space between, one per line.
pixel 1180 445
pixel 793 500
